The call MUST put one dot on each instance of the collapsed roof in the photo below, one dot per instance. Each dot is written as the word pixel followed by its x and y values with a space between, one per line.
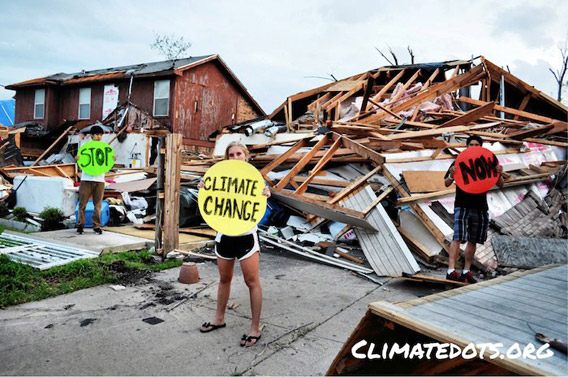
pixel 426 96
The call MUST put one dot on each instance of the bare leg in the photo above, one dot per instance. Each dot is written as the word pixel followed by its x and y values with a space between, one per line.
pixel 251 273
pixel 469 253
pixel 226 268
pixel 454 253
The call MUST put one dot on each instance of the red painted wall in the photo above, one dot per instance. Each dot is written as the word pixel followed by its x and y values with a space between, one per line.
pixel 205 100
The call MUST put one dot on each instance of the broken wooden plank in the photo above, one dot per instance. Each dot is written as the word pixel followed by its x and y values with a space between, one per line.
pixel 470 116
pixel 321 209
pixel 302 163
pixel 508 110
pixel 323 181
pixel 319 166
pixel 61 170
pixel 433 132
pixel 283 157
pixel 51 146
pixel 430 279
pixel 360 149
pixel 377 200
pixel 521 134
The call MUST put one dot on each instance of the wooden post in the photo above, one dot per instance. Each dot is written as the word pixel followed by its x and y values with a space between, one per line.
pixel 171 191
pixel 159 197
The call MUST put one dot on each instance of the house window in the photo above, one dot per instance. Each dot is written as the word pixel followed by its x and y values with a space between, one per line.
pixel 85 103
pixel 161 97
pixel 39 104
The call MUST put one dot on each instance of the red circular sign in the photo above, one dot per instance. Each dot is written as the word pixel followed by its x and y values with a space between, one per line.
pixel 476 170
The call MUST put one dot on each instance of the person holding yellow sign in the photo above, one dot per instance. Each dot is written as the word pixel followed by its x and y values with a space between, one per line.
pixel 232 200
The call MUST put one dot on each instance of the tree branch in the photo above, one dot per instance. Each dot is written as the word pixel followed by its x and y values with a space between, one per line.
pixel 383 55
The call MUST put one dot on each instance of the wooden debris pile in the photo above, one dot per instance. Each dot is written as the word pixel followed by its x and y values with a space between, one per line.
pixel 400 128
pixel 405 107
pixel 364 158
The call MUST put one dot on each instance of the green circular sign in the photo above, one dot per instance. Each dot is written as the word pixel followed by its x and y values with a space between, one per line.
pixel 96 157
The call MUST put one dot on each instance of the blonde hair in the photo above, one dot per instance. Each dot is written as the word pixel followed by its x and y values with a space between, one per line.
pixel 237 144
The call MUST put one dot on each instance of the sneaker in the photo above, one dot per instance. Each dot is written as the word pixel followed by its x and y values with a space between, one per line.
pixel 98 230
pixel 468 278
pixel 454 276
pixel 79 230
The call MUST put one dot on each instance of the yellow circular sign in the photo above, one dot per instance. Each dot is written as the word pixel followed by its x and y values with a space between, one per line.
pixel 231 200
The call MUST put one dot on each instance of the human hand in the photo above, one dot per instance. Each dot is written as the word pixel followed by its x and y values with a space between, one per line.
pixel 266 192
pixel 499 169
pixel 452 171
pixel 200 184
pixel 77 158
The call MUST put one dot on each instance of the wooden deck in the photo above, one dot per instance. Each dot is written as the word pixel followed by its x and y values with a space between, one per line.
pixel 507 310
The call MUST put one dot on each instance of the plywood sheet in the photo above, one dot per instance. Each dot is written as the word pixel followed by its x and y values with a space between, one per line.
pixel 424 181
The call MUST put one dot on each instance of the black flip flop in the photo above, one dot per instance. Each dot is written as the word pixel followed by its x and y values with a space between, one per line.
pixel 247 338
pixel 212 327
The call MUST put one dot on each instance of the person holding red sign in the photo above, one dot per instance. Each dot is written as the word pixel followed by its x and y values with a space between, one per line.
pixel 471 220
pixel 246 249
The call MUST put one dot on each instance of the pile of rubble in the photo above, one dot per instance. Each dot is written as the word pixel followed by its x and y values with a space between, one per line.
pixel 356 167
pixel 366 158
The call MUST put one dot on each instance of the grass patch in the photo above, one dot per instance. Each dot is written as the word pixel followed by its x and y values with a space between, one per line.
pixel 16 230
pixel 20 283
pixel 140 260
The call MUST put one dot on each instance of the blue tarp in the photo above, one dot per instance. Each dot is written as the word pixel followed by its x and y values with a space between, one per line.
pixel 7 111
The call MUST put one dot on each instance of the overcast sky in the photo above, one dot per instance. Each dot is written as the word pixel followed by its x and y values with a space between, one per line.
pixel 275 46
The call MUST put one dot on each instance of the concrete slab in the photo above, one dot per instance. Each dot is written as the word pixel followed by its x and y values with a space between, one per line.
pixel 309 310
pixel 104 243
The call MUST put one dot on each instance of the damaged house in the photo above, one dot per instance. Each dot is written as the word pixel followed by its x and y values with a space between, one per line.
pixel 192 96
pixel 389 135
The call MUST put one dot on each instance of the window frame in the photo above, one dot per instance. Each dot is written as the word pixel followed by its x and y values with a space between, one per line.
pixel 36 103
pixel 79 106
pixel 156 83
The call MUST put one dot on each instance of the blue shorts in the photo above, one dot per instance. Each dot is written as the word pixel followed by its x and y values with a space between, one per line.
pixel 470 225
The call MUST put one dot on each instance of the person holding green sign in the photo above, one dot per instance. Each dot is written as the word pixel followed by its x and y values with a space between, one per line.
pixel 95 158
